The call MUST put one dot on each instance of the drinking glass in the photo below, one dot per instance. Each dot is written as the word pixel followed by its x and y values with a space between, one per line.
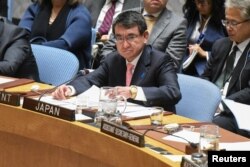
pixel 108 102
pixel 209 138
pixel 156 116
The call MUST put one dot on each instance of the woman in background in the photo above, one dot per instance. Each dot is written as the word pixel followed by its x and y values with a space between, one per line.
pixel 64 24
pixel 204 28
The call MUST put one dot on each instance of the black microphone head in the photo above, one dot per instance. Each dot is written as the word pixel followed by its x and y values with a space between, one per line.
pixel 84 72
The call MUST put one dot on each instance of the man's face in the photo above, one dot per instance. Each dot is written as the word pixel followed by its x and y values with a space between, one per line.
pixel 237 27
pixel 154 6
pixel 129 42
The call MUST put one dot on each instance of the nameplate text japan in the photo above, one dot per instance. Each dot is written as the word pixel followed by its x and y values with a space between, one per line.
pixel 48 109
pixel 10 98
pixel 122 133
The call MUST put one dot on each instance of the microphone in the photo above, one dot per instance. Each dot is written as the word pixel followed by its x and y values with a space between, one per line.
pixel 78 74
pixel 192 144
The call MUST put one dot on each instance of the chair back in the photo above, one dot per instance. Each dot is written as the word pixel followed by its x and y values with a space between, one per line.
pixel 200 98
pixel 55 66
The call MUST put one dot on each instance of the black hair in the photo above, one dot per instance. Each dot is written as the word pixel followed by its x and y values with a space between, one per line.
pixel 217 14
pixel 129 19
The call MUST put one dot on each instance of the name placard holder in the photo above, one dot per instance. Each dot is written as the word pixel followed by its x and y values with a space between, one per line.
pixel 122 133
pixel 48 109
pixel 10 98
pixel 188 163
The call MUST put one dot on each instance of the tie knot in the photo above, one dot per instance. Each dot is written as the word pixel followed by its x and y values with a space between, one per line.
pixel 130 66
pixel 235 48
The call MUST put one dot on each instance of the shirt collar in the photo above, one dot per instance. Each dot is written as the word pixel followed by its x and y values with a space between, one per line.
pixel 135 61
pixel 154 14
pixel 241 46
pixel 109 1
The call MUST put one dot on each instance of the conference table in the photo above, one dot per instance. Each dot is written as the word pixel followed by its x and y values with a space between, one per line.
pixel 29 139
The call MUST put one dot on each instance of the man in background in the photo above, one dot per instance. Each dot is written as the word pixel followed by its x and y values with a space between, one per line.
pixel 99 9
pixel 16 58
pixel 229 64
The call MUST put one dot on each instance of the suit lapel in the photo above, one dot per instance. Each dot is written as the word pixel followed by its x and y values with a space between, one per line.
pixel 161 23
pixel 142 67
pixel 224 52
pixel 238 68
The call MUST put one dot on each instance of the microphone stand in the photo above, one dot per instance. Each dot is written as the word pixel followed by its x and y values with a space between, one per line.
pixel 80 73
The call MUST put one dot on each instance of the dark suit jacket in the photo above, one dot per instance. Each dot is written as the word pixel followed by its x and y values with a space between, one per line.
pixel 168 35
pixel 154 72
pixel 16 58
pixel 95 7
pixel 239 85
pixel 212 33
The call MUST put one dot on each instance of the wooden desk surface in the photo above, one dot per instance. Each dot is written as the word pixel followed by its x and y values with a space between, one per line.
pixel 29 139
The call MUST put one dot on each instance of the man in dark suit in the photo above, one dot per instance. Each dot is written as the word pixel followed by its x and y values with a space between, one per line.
pixel 97 9
pixel 168 33
pixel 236 85
pixel 154 80
pixel 16 58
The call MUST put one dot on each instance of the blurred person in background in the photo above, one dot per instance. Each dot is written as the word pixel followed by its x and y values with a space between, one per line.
pixel 64 24
pixel 16 58
pixel 204 18
pixel 229 64
pixel 99 10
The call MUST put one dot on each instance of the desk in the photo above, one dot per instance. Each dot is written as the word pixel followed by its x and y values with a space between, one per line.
pixel 29 139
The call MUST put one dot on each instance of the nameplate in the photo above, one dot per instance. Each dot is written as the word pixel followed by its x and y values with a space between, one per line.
pixel 188 163
pixel 122 133
pixel 48 109
pixel 10 98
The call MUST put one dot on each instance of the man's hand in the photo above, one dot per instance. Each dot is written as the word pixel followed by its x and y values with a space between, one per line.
pixel 62 92
pixel 124 91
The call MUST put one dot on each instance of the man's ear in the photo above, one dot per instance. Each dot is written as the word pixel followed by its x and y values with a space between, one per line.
pixel 145 35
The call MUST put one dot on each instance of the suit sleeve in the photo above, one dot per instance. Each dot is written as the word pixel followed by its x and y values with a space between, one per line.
pixel 16 49
pixel 167 91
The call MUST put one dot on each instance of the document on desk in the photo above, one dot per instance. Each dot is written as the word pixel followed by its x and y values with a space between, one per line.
pixel 241 113
pixel 132 110
pixel 236 146
pixel 5 80
pixel 184 136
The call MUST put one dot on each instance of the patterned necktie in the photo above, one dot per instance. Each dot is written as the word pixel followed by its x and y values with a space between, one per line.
pixel 150 21
pixel 107 21
pixel 230 64
pixel 129 73
pixel 226 73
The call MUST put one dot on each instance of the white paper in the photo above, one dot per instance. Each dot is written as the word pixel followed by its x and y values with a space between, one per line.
pixel 177 158
pixel 241 113
pixel 137 111
pixel 5 80
pixel 93 96
pixel 81 117
pixel 237 146
pixel 190 136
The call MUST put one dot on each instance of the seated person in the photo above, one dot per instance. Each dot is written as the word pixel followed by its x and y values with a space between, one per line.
pixel 134 63
pixel 167 31
pixel 64 24
pixel 229 64
pixel 16 58
pixel 99 14
pixel 204 19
